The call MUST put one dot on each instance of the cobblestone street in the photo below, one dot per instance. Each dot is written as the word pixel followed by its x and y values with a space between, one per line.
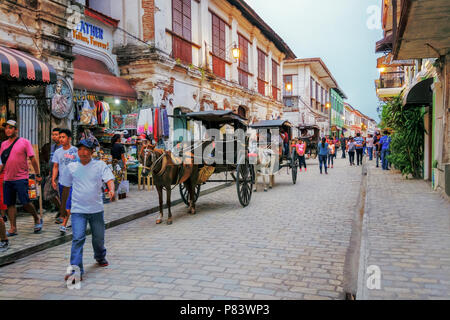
pixel 289 243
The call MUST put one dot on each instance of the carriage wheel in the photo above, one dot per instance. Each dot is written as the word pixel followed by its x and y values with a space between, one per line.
pixel 294 167
pixel 185 193
pixel 244 183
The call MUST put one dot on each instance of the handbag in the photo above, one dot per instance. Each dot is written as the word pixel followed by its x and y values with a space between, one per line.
pixel 6 153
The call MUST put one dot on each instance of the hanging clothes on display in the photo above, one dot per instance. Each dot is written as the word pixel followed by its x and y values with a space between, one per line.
pixel 156 126
pixel 165 123
pixel 99 111
pixel 86 113
pixel 145 122
pixel 105 114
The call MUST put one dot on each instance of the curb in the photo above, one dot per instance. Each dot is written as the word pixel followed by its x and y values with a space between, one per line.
pixel 11 258
pixel 352 264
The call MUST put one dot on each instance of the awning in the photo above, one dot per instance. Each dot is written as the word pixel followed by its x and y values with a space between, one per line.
pixel 272 124
pixel 384 44
pixel 94 76
pixel 22 66
pixel 420 94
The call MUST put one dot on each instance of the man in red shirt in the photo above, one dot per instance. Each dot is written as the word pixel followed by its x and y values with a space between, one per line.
pixel 14 154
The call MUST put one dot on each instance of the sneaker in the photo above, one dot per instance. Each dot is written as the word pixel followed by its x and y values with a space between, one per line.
pixel 4 245
pixel 102 262
pixel 59 220
pixel 66 277
pixel 62 230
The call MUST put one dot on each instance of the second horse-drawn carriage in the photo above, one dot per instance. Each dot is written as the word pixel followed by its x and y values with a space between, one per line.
pixel 268 136
pixel 310 134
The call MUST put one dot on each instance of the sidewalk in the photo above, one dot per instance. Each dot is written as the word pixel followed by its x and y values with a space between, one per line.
pixel 406 233
pixel 136 205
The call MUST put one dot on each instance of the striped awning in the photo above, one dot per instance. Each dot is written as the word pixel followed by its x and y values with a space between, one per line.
pixel 22 66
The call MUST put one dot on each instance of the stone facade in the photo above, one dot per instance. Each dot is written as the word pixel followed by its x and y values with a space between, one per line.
pixel 163 80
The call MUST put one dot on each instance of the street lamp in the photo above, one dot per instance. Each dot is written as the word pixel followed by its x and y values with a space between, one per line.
pixel 382 69
pixel 289 87
pixel 236 52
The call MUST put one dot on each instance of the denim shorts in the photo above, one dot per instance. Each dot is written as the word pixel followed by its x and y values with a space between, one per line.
pixel 13 188
pixel 69 199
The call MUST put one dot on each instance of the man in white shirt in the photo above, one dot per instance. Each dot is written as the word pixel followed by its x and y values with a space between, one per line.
pixel 86 179
pixel 369 144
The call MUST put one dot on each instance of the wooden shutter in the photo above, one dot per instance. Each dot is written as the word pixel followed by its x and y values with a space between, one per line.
pixel 274 80
pixel 261 72
pixel 181 27
pixel 218 46
pixel 243 61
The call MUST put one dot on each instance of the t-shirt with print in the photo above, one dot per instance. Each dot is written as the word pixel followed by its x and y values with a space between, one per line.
pixel 359 142
pixel 369 142
pixel 332 148
pixel 17 166
pixel 86 182
pixel 300 147
pixel 63 158
pixel 351 146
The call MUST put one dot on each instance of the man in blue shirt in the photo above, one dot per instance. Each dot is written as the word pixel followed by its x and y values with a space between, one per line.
pixel 385 142
pixel 86 178
pixel 359 141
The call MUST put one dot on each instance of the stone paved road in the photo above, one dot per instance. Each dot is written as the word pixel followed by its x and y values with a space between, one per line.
pixel 289 243
pixel 136 202
pixel 406 233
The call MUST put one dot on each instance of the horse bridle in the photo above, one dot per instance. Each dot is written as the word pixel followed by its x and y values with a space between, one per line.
pixel 154 162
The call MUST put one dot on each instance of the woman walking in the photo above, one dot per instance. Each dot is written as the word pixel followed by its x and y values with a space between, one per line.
pixel 323 154
pixel 331 153
pixel 351 147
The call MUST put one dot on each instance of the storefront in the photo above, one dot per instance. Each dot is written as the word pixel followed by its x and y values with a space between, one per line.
pixel 104 103
pixel 23 83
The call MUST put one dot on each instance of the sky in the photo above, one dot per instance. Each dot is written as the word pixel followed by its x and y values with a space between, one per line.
pixel 340 32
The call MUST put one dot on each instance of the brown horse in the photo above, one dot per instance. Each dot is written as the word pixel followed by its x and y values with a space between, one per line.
pixel 167 171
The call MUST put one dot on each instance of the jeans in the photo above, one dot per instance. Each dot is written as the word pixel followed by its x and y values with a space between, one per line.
pixel 351 157
pixel 343 152
pixel 79 224
pixel 370 150
pixel 301 161
pixel 330 159
pixel 384 160
pixel 323 160
pixel 359 156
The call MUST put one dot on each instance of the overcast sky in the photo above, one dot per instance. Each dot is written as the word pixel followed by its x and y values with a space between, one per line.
pixel 336 31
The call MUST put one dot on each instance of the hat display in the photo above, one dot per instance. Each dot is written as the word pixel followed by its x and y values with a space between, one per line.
pixel 12 123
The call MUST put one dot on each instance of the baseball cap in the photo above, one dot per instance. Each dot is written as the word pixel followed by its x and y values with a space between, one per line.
pixel 12 123
pixel 85 143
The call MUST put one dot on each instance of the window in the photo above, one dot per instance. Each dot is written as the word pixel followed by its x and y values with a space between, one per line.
pixel 274 80
pixel 288 102
pixel 317 96
pixel 243 61
pixel 218 46
pixel 181 27
pixel 261 72
pixel 286 80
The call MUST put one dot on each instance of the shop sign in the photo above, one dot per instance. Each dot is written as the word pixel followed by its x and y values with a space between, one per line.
pixel 61 97
pixel 91 35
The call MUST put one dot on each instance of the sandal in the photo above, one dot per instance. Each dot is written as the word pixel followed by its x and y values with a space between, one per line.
pixel 38 226
pixel 11 234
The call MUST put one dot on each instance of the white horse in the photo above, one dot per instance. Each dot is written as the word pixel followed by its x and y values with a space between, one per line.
pixel 265 166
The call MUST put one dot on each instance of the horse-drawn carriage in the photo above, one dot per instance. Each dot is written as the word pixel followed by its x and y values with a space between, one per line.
pixel 225 156
pixel 266 130
pixel 310 134
pixel 220 145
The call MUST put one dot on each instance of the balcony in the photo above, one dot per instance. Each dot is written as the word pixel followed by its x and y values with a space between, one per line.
pixel 390 84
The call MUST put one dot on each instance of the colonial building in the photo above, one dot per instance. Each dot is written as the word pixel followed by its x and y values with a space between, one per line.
pixel 306 92
pixel 35 54
pixel 417 44
pixel 190 55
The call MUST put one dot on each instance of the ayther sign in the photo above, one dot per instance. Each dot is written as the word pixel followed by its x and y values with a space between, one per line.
pixel 87 33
